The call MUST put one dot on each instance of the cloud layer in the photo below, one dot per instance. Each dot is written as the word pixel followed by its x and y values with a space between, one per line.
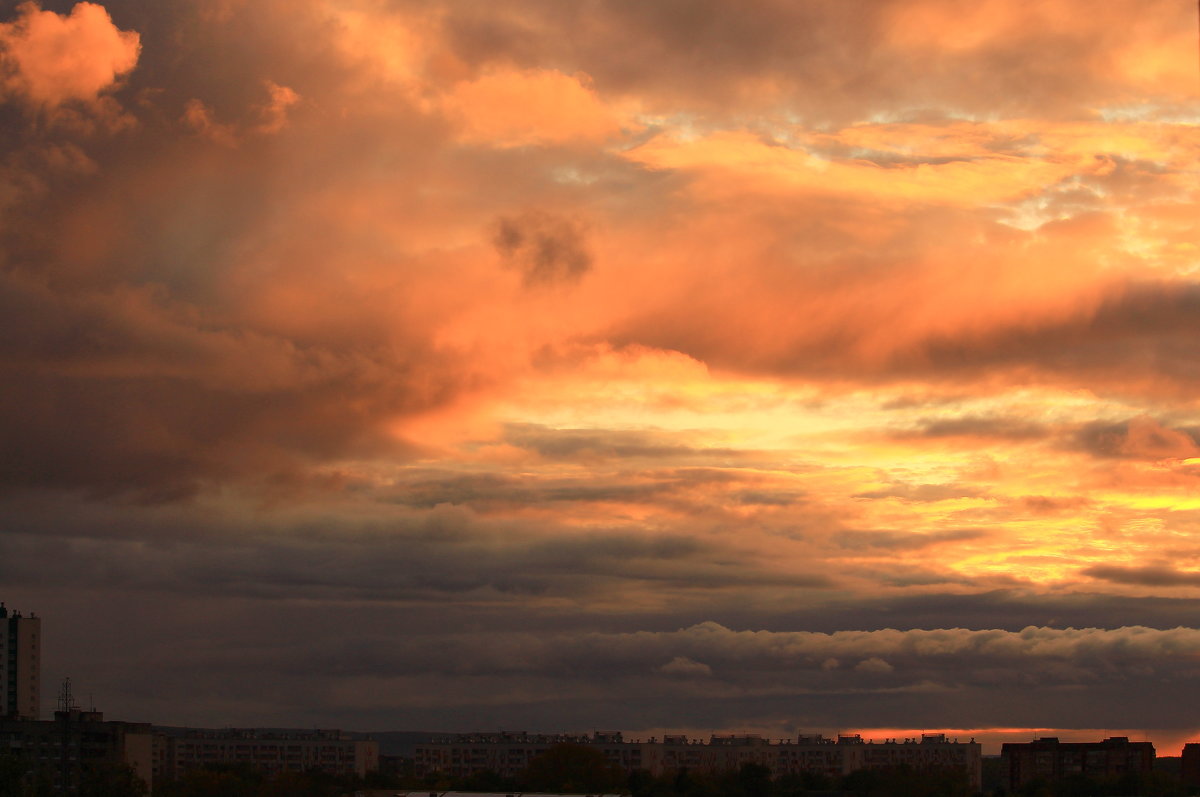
pixel 640 365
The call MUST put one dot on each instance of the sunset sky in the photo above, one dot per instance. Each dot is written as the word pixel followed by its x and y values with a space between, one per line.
pixel 770 366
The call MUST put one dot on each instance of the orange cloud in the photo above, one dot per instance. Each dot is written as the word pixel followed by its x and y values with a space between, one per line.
pixel 540 106
pixel 50 59
pixel 274 113
pixel 1149 46
pixel 199 117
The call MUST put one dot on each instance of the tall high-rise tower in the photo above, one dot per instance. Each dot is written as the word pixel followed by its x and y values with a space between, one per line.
pixel 20 665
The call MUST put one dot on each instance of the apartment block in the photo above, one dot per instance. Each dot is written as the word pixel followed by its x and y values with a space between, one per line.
pixel 63 749
pixel 177 750
pixel 1050 760
pixel 20 665
pixel 1189 764
pixel 507 754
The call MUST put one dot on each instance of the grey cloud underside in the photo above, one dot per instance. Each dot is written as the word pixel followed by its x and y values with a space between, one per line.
pixel 984 426
pixel 827 58
pixel 583 444
pixel 444 555
pixel 1150 576
pixel 1145 332
pixel 770 662
pixel 898 540
pixel 1113 440
pixel 450 669
pixel 1133 438
pixel 667 488
pixel 122 393
pixel 451 556
pixel 384 616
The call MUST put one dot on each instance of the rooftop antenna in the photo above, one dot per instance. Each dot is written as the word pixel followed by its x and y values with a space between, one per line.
pixel 66 702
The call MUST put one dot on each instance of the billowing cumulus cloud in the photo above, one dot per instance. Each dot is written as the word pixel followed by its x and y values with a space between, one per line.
pixel 742 366
pixel 49 59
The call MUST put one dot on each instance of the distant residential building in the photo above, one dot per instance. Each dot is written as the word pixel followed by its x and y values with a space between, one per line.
pixel 507 754
pixel 1050 760
pixel 63 749
pixel 177 750
pixel 20 665
pixel 933 752
pixel 1189 764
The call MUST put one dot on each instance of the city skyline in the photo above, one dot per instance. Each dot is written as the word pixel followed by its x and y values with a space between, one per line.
pixel 694 367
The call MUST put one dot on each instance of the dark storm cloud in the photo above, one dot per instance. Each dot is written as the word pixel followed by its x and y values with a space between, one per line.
pixel 1137 438
pixel 545 247
pixel 790 667
pixel 488 652
pixel 490 491
pixel 1144 332
pixel 298 639
pixel 591 444
pixel 899 540
pixel 684 489
pixel 362 667
pixel 1149 576
pixel 919 577
pixel 1047 505
pixel 133 365
pixel 1010 609
pixel 446 554
pixel 125 392
pixel 769 497
pixel 1141 332
pixel 924 493
pixel 984 426
pixel 747 657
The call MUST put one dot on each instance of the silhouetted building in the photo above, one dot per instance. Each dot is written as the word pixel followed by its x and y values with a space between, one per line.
pixel 20 665
pixel 1050 760
pixel 176 750
pixel 1189 764
pixel 63 749
pixel 507 754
